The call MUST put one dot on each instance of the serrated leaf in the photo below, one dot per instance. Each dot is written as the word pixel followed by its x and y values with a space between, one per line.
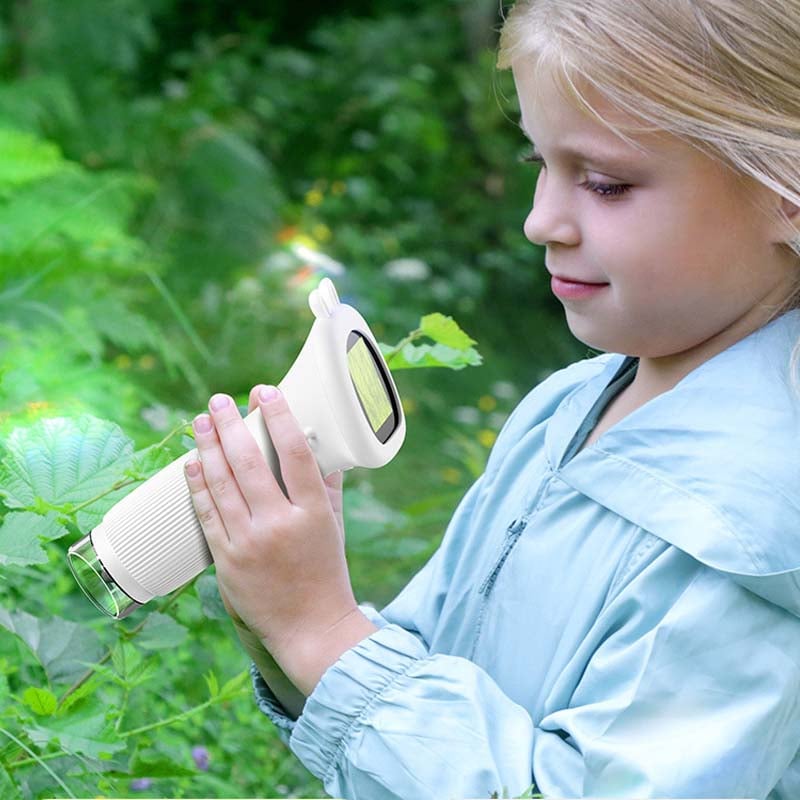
pixel 210 600
pixel 445 330
pixel 40 701
pixel 58 644
pixel 81 693
pixel 21 535
pixel 235 683
pixel 125 658
pixel 160 631
pixel 64 460
pixel 149 461
pixel 19 540
pixel 85 731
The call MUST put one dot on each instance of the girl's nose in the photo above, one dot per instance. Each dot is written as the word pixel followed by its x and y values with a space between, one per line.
pixel 549 219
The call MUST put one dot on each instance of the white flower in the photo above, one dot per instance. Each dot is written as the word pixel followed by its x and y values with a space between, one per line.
pixel 504 389
pixel 466 415
pixel 407 269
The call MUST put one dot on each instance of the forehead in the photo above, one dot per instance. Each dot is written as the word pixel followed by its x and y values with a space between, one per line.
pixel 567 118
pixel 556 119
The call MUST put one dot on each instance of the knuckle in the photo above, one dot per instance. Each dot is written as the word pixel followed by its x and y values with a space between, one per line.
pixel 220 486
pixel 248 462
pixel 297 447
pixel 206 515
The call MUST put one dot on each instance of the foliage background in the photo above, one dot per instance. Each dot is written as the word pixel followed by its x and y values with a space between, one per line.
pixel 175 175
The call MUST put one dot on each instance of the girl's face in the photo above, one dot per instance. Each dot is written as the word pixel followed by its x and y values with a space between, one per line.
pixel 684 252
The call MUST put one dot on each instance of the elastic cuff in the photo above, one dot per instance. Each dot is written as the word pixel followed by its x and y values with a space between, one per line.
pixel 271 706
pixel 341 700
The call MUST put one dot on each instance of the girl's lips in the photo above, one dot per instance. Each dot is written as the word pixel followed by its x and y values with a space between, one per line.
pixel 574 290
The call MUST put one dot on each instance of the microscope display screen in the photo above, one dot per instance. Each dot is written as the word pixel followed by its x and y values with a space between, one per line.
pixel 375 397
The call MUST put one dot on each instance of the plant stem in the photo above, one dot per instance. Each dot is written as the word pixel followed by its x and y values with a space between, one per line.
pixel 38 760
pixel 24 762
pixel 401 344
pixel 129 635
pixel 184 714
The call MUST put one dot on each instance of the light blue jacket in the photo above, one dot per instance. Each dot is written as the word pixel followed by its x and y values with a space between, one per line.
pixel 624 622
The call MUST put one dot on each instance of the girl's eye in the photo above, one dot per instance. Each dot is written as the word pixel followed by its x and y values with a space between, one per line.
pixel 603 189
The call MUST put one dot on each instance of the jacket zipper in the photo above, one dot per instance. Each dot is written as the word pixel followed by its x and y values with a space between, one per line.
pixel 513 533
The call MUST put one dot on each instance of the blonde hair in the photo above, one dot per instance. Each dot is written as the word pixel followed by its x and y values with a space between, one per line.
pixel 723 75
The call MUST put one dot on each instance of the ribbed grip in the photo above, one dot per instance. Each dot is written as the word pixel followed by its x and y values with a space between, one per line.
pixel 151 541
pixel 155 533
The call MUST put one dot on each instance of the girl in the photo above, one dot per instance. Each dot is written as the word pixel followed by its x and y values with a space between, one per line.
pixel 615 608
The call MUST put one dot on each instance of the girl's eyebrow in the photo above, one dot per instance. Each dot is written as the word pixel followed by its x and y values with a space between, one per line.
pixel 589 155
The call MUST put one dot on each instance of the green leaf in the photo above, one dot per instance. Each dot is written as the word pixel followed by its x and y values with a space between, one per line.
pixel 63 460
pixel 210 600
pixel 213 685
pixel 157 766
pixel 414 356
pixel 130 665
pixel 235 684
pixel 149 461
pixel 59 645
pixel 160 632
pixel 79 694
pixel 8 789
pixel 21 534
pixel 19 540
pixel 445 330
pixel 25 158
pixel 85 731
pixel 40 701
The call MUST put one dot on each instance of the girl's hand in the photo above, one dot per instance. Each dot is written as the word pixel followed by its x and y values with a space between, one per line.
pixel 280 561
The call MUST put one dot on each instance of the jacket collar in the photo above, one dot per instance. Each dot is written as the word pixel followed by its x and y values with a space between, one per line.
pixel 711 466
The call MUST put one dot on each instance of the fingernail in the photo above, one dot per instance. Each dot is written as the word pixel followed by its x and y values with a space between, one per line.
pixel 202 423
pixel 192 468
pixel 219 401
pixel 267 393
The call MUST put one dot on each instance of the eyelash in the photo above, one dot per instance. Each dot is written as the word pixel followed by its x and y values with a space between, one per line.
pixel 605 190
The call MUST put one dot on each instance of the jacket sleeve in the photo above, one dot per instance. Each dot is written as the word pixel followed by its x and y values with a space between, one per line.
pixel 688 686
pixel 389 720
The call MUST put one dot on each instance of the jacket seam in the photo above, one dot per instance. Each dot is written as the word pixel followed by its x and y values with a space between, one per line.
pixel 754 560
pixel 632 563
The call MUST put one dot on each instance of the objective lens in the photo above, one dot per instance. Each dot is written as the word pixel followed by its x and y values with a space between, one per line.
pixel 95 581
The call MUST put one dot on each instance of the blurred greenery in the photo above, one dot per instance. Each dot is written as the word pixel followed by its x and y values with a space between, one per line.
pixel 175 176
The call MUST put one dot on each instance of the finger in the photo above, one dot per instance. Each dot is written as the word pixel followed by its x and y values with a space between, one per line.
pixel 255 480
pixel 299 469
pixel 210 521
pixel 333 484
pixel 252 402
pixel 335 480
pixel 218 477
